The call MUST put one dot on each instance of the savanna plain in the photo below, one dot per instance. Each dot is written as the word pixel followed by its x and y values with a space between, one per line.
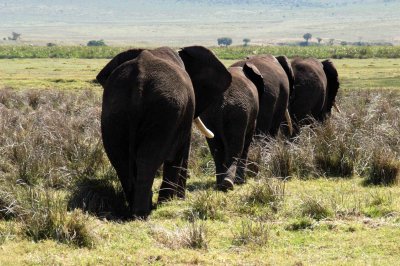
pixel 331 196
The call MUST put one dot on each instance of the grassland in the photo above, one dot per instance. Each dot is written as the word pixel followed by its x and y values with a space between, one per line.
pixel 60 73
pixel 234 52
pixel 324 213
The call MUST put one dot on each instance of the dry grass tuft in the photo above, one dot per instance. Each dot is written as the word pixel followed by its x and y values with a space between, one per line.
pixel 250 232
pixel 193 236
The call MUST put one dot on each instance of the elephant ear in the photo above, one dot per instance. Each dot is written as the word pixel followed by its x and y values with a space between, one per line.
pixel 252 73
pixel 332 77
pixel 209 76
pixel 118 60
pixel 284 62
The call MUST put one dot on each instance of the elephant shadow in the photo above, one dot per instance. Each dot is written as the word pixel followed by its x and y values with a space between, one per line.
pixel 102 198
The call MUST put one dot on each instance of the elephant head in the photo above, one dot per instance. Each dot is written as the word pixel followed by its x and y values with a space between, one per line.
pixel 333 85
pixel 209 76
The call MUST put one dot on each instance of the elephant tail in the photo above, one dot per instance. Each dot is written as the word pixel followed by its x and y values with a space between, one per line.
pixel 118 60
pixel 289 122
pixel 284 61
pixel 332 77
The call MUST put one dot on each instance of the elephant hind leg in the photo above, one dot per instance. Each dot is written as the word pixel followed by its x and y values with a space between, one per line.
pixel 242 164
pixel 217 151
pixel 234 144
pixel 175 175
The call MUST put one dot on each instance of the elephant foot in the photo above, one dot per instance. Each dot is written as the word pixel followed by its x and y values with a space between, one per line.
pixel 226 184
pixel 240 181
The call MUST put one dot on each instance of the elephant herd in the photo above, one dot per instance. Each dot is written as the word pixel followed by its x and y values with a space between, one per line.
pixel 152 97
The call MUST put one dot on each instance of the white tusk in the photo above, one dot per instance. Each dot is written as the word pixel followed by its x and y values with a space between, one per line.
pixel 336 107
pixel 289 121
pixel 205 131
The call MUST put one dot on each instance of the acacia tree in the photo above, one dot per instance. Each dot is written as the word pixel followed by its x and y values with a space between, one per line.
pixel 246 41
pixel 224 41
pixel 307 37
pixel 319 40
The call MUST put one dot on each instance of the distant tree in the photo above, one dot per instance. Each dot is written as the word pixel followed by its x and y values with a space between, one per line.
pixel 246 41
pixel 96 43
pixel 319 40
pixel 331 41
pixel 307 37
pixel 224 41
pixel 51 44
pixel 343 43
pixel 15 36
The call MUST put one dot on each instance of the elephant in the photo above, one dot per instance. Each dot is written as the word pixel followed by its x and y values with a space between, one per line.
pixel 150 99
pixel 315 88
pixel 232 119
pixel 278 82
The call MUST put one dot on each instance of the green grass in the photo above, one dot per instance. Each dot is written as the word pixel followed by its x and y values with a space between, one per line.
pixel 79 73
pixel 50 140
pixel 352 239
pixel 233 52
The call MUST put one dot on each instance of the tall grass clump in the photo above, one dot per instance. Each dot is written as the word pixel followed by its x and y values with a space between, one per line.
pixel 50 137
pixel 46 217
pixel 265 192
pixel 384 169
pixel 335 149
pixel 207 205
pixel 314 208
pixel 250 232
pixel 194 235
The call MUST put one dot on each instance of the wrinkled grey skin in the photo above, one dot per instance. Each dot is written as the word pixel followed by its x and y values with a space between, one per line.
pixel 278 83
pixel 315 89
pixel 232 119
pixel 150 99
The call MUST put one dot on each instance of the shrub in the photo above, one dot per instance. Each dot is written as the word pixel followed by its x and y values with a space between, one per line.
pixel 96 43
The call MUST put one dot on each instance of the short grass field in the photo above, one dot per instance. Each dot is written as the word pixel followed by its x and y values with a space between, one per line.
pixel 331 197
pixel 72 74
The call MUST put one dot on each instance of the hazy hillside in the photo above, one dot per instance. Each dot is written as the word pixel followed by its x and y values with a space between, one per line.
pixel 178 22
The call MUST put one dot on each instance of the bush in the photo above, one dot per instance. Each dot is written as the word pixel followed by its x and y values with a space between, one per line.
pixel 96 43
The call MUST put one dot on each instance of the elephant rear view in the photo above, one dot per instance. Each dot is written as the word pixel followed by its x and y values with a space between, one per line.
pixel 315 89
pixel 148 107
pixel 278 82
pixel 232 118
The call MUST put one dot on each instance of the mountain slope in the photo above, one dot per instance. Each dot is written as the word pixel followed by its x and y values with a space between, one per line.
pixel 178 22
